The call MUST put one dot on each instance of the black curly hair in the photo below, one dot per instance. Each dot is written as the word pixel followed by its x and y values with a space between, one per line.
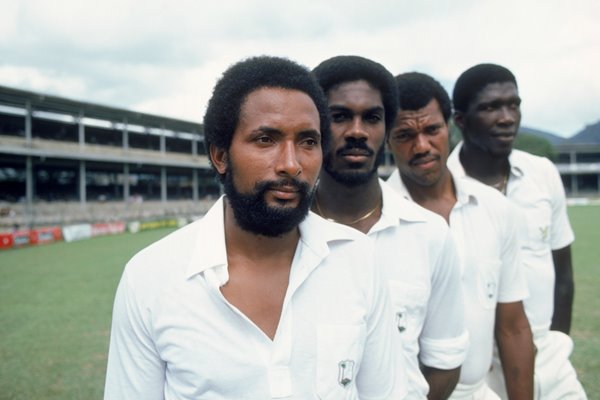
pixel 470 83
pixel 342 69
pixel 242 78
pixel 416 90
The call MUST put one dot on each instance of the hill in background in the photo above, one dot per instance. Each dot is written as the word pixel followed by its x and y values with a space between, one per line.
pixel 589 135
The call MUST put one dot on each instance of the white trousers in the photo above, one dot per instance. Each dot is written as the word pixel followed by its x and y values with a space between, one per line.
pixel 554 376
pixel 478 391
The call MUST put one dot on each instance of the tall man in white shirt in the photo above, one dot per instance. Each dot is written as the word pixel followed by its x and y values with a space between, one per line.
pixel 487 111
pixel 485 230
pixel 415 251
pixel 260 299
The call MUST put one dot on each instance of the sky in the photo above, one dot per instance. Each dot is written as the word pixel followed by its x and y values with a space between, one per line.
pixel 163 57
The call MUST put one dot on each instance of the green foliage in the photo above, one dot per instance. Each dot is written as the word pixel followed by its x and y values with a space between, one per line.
pixel 535 145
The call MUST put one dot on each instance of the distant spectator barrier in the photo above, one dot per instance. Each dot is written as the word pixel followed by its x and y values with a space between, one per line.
pixel 71 233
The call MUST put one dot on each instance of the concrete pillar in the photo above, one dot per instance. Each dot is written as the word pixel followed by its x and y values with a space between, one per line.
pixel 82 184
pixel 125 135
pixel 163 140
pixel 126 182
pixel 28 115
pixel 29 189
pixel 195 185
pixel 81 129
pixel 163 184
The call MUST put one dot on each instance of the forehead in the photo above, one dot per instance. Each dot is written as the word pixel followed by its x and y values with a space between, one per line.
pixel 354 93
pixel 271 105
pixel 496 91
pixel 431 113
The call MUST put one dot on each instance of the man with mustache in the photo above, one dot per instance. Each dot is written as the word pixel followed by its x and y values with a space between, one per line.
pixel 485 230
pixel 259 299
pixel 414 250
pixel 487 111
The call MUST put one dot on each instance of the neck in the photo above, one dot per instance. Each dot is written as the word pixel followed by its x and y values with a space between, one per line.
pixel 483 166
pixel 438 197
pixel 356 206
pixel 239 241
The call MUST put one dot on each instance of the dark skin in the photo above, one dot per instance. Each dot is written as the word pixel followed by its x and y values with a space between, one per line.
pixel 357 114
pixel 419 142
pixel 277 137
pixel 489 126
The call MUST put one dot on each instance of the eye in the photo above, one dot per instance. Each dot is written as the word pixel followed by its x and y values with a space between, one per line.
pixel 401 136
pixel 310 142
pixel 432 129
pixel 339 116
pixel 374 118
pixel 264 139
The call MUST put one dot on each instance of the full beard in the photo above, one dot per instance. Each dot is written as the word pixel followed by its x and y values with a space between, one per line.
pixel 253 214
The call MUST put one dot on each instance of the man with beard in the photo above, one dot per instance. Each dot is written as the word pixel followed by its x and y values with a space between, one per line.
pixel 414 250
pixel 256 300
pixel 487 111
pixel 486 232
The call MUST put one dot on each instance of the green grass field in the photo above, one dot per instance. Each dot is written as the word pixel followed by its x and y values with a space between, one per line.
pixel 56 301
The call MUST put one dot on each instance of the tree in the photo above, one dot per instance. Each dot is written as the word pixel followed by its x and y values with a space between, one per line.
pixel 535 145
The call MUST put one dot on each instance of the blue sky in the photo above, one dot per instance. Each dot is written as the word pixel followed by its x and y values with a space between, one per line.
pixel 163 57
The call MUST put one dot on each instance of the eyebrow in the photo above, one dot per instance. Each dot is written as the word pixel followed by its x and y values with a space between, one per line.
pixel 344 108
pixel 274 131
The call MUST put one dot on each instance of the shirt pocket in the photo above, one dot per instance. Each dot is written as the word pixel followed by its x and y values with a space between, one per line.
pixel 488 272
pixel 339 353
pixel 409 303
pixel 538 219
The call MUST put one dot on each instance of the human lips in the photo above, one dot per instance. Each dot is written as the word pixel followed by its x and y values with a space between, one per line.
pixel 424 162
pixel 286 191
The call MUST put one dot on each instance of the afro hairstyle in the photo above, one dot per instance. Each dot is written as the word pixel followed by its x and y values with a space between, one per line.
pixel 416 90
pixel 472 81
pixel 239 80
pixel 342 69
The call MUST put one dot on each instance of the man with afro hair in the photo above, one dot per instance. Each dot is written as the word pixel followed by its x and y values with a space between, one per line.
pixel 259 299
pixel 488 113
pixel 414 250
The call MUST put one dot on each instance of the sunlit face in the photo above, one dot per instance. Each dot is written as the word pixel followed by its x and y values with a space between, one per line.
pixel 358 132
pixel 492 120
pixel 274 160
pixel 419 142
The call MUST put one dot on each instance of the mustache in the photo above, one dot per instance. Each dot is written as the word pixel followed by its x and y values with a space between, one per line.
pixel 298 185
pixel 351 145
pixel 424 156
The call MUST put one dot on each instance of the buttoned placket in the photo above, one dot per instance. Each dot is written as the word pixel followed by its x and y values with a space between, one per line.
pixel 276 353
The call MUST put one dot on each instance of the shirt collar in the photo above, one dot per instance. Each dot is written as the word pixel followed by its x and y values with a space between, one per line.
pixel 210 251
pixel 398 207
pixel 514 160
pixel 464 192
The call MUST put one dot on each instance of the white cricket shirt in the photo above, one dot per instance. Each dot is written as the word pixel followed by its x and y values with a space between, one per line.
pixel 418 259
pixel 484 227
pixel 175 336
pixel 535 187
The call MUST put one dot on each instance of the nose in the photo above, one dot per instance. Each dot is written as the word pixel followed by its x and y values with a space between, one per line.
pixel 421 144
pixel 357 129
pixel 508 116
pixel 287 161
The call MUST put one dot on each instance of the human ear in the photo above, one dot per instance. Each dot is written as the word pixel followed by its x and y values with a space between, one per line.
pixel 218 157
pixel 459 120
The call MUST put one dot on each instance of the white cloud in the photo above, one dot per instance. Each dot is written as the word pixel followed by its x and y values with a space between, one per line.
pixel 164 56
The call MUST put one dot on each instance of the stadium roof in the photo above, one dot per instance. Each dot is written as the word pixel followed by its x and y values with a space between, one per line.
pixel 43 102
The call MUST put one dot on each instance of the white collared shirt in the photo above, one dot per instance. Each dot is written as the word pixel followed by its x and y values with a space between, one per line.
pixel 535 187
pixel 175 336
pixel 485 230
pixel 418 259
